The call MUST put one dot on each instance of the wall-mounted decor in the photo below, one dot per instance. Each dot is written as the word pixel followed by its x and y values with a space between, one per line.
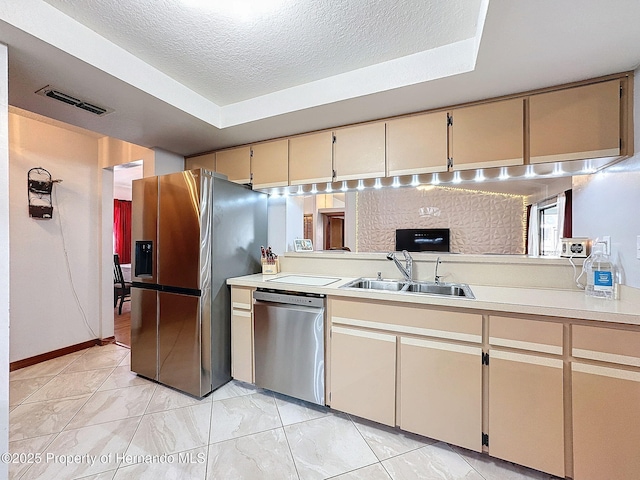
pixel 39 187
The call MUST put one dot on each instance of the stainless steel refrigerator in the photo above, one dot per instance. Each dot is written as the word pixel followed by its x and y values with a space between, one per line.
pixel 190 232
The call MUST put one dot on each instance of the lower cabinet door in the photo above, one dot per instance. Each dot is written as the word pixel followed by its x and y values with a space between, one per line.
pixel 606 423
pixel 241 346
pixel 526 411
pixel 441 391
pixel 363 374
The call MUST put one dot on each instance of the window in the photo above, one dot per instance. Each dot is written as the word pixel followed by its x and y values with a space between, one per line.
pixel 548 222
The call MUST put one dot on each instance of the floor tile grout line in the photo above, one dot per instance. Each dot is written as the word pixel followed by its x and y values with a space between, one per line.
pixel 286 438
pixel 468 463
pixel 206 468
pixel 135 431
pixel 362 436
pixel 79 395
pixel 32 393
pixel 89 397
pixel 85 403
pixel 57 434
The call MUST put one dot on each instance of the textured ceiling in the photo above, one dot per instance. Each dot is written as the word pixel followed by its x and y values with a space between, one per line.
pixel 228 59
pixel 190 81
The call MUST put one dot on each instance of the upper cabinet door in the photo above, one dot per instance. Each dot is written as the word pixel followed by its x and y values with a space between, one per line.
pixel 235 163
pixel 359 152
pixel 489 135
pixel 270 164
pixel 311 158
pixel 576 123
pixel 207 161
pixel 417 144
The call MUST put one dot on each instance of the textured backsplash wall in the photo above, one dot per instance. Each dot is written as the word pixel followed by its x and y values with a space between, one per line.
pixel 480 222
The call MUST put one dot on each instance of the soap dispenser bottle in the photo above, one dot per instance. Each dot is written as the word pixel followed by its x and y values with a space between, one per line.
pixel 600 271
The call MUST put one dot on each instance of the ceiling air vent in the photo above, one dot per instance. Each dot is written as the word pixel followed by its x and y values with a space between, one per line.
pixel 56 94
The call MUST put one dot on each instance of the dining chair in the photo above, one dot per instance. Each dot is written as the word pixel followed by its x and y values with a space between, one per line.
pixel 121 289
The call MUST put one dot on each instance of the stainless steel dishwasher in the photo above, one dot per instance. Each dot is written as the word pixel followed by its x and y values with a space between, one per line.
pixel 289 343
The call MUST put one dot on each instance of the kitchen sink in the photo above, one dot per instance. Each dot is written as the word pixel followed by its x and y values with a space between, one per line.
pixel 449 289
pixel 428 288
pixel 375 284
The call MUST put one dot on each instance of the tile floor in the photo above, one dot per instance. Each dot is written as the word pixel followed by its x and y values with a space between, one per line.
pixel 86 416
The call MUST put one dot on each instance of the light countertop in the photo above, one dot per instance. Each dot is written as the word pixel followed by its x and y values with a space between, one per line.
pixel 531 301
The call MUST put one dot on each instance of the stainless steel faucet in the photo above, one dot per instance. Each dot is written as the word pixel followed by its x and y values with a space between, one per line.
pixel 437 277
pixel 407 270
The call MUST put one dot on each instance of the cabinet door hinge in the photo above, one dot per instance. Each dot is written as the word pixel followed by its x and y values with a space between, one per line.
pixel 449 163
pixel 485 358
pixel 449 120
pixel 485 439
pixel 251 152
pixel 334 174
pixel 333 139
pixel 251 177
pixel 621 91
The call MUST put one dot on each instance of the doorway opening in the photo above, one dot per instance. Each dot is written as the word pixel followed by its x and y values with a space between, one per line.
pixel 333 228
pixel 123 176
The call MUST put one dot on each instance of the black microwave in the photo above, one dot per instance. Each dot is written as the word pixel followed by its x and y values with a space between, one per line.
pixel 423 239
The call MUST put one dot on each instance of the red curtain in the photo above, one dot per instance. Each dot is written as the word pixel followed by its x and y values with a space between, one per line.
pixel 122 229
pixel 568 214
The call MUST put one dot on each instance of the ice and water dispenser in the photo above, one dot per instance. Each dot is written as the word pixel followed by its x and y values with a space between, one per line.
pixel 144 258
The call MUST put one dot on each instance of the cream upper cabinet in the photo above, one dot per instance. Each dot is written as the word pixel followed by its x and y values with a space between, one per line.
pixel 441 391
pixel 487 135
pixel 311 158
pixel 241 334
pixel 235 163
pixel 575 123
pixel 605 403
pixel 270 164
pixel 417 144
pixel 526 393
pixel 359 152
pixel 207 161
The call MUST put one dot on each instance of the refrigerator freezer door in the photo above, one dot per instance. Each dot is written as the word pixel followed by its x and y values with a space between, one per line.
pixel 144 333
pixel 181 364
pixel 184 229
pixel 144 219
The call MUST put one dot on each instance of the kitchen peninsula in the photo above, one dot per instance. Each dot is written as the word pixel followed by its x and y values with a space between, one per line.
pixel 525 372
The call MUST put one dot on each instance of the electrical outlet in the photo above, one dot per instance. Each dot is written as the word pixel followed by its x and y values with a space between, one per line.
pixel 606 239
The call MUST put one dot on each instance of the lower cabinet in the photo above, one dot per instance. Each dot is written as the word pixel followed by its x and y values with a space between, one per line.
pixel 606 403
pixel 363 374
pixel 241 334
pixel 441 391
pixel 526 422
pixel 606 423
pixel 526 410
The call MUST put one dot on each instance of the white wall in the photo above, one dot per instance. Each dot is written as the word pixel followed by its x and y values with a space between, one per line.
pixel 167 162
pixel 45 314
pixel 607 204
pixel 285 222
pixel 4 257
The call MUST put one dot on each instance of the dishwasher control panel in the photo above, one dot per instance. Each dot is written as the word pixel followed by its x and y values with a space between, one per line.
pixel 290 298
